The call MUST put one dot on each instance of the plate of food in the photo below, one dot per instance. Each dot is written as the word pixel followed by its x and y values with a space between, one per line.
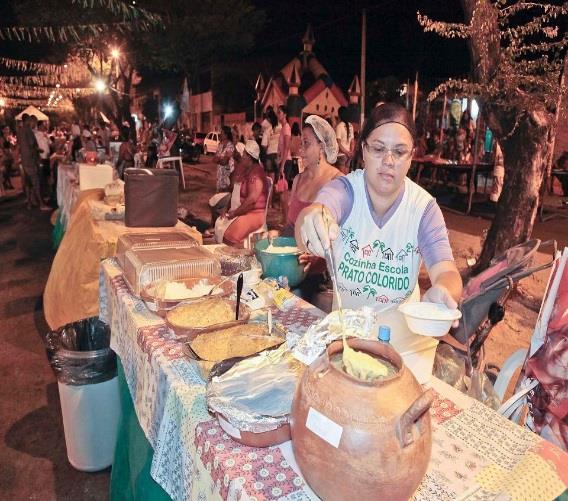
pixel 188 319
pixel 162 296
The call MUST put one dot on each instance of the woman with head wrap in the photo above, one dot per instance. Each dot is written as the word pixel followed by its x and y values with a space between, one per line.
pixel 319 152
pixel 246 211
pixel 382 225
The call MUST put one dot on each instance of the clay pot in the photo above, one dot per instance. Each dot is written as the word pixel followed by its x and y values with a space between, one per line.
pixel 358 440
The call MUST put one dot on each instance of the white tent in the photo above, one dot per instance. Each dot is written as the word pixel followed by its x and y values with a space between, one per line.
pixel 32 110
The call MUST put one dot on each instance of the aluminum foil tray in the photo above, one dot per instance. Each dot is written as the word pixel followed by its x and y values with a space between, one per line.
pixel 145 266
pixel 152 240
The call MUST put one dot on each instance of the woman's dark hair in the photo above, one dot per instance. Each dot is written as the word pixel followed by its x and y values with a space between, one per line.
pixel 296 129
pixel 284 109
pixel 124 134
pixel 227 131
pixel 272 118
pixel 384 114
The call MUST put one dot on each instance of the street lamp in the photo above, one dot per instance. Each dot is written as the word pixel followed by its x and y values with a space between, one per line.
pixel 115 53
pixel 168 110
pixel 100 85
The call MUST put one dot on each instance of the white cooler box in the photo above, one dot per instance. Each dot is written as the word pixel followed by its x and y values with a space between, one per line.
pixel 94 176
pixel 417 351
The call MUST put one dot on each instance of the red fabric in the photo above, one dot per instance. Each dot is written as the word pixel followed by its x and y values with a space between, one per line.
pixel 295 207
pixel 550 366
pixel 257 172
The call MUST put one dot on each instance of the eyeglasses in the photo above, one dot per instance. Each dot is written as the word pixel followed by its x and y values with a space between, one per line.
pixel 399 154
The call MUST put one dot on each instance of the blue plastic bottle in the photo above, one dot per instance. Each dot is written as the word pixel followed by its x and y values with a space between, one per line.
pixel 384 334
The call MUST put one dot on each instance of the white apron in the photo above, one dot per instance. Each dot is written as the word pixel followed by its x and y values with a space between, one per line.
pixel 379 267
pixel 223 223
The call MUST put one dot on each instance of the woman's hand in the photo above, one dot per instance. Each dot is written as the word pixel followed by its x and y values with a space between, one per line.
pixel 317 229
pixel 307 260
pixel 441 295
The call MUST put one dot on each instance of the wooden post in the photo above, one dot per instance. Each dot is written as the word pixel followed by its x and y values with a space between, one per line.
pixel 443 115
pixel 363 62
pixel 415 97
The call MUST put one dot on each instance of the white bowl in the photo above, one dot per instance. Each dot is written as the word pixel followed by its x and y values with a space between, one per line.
pixel 429 319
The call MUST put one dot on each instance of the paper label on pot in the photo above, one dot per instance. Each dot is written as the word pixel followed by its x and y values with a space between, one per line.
pixel 228 428
pixel 324 427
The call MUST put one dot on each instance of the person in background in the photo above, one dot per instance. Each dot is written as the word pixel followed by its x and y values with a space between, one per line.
pixel 246 211
pixel 345 134
pixel 29 153
pixel 257 136
pixel 284 158
pixel 224 159
pixel 126 153
pixel 270 139
pixel 104 132
pixel 7 146
pixel 44 145
pixel 296 146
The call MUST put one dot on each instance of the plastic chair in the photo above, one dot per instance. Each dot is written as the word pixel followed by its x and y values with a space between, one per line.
pixel 264 228
pixel 172 163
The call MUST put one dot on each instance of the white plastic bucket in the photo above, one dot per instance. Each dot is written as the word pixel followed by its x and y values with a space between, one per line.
pixel 91 414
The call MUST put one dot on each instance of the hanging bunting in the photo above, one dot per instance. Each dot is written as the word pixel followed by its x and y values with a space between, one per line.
pixel 31 34
pixel 42 80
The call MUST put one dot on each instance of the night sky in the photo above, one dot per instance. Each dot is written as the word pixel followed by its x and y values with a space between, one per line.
pixel 396 44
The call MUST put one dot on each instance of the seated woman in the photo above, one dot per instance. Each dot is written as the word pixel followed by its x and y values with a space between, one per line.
pixel 248 216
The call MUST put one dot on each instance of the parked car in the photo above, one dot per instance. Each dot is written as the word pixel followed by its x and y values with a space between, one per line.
pixel 210 143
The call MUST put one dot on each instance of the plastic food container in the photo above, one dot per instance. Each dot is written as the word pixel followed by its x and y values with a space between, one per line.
pixel 152 240
pixel 429 319
pixel 162 306
pixel 145 266
pixel 189 333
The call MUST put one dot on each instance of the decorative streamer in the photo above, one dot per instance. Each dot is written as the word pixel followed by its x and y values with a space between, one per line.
pixel 58 34
pixel 43 80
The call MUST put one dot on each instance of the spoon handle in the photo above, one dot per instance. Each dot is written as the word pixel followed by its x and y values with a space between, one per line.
pixel 239 292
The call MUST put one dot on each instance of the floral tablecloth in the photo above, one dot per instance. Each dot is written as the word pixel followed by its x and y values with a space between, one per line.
pixel 476 454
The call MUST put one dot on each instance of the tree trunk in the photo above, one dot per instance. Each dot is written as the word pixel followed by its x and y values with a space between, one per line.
pixel 525 153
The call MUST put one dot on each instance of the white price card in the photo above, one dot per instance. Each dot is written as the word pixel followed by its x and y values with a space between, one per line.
pixel 324 427
pixel 228 428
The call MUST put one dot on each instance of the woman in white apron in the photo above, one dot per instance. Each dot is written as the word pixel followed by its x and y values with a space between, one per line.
pixel 382 225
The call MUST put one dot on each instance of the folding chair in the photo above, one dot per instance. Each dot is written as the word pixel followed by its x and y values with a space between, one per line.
pixel 172 163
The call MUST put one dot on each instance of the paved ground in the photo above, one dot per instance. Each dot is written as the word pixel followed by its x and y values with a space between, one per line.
pixel 33 462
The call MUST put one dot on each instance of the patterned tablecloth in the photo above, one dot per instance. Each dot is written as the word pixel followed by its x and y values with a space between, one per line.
pixel 476 453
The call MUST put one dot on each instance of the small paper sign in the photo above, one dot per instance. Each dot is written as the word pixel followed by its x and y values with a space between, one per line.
pixel 324 427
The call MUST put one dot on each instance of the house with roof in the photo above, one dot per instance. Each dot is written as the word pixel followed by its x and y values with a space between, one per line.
pixel 305 86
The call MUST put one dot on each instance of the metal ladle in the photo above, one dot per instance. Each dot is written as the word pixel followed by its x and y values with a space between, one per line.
pixel 329 260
